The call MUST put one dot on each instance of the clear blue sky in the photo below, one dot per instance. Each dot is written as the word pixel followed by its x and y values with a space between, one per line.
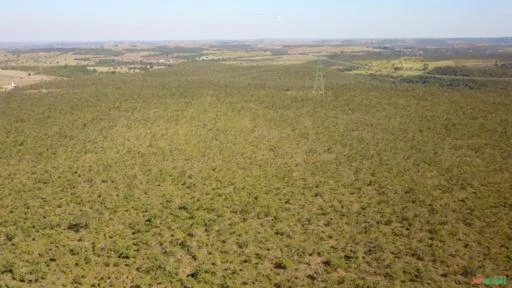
pixel 68 20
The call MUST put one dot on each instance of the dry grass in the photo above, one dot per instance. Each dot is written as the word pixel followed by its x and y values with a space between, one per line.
pixel 21 78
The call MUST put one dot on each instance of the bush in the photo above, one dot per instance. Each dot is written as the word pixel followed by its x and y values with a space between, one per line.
pixel 283 264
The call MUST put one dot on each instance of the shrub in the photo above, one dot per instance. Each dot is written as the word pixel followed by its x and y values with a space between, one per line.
pixel 283 264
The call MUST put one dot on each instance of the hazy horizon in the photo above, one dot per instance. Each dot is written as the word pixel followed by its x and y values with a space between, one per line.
pixel 155 20
pixel 249 40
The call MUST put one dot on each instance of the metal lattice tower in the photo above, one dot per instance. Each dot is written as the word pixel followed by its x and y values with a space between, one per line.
pixel 319 86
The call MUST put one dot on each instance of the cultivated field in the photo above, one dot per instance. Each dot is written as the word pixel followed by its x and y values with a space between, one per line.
pixel 211 174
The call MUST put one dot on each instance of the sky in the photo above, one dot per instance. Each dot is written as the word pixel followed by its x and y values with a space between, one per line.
pixel 148 20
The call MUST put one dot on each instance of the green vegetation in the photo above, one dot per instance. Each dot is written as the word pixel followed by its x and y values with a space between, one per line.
pixel 465 71
pixel 279 52
pixel 179 52
pixel 74 51
pixel 98 52
pixel 215 175
pixel 450 82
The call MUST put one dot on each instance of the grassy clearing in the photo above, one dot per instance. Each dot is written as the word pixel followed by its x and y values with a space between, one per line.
pixel 212 175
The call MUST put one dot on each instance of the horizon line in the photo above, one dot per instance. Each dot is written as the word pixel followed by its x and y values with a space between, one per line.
pixel 259 39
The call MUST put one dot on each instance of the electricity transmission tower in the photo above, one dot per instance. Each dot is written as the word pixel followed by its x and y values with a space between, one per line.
pixel 41 75
pixel 319 87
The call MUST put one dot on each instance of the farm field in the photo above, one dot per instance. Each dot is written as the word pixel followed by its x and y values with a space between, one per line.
pixel 222 174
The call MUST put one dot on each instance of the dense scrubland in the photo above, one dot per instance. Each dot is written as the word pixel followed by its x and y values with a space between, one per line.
pixel 214 175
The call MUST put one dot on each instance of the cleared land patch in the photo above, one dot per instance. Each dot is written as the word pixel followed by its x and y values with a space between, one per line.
pixel 21 78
